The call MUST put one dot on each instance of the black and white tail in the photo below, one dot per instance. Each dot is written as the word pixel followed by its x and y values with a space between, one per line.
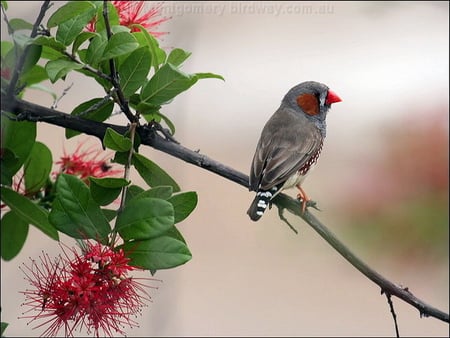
pixel 260 203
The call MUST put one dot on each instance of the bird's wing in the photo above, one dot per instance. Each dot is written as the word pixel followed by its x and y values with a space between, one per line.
pixel 283 149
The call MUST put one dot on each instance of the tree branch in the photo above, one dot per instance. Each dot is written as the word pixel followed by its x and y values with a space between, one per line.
pixel 21 59
pixel 150 136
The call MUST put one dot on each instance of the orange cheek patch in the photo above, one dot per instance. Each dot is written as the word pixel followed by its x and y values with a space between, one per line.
pixel 308 103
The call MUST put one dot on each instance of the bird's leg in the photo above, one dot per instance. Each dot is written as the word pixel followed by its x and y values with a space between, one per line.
pixel 303 197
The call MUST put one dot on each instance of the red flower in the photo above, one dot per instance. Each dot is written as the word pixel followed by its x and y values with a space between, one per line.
pixel 133 12
pixel 91 290
pixel 86 163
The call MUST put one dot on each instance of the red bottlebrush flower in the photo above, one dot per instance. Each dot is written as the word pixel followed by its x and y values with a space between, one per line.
pixel 86 163
pixel 91 291
pixel 133 12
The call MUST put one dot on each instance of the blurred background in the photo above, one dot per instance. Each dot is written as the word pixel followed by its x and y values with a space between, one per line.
pixel 381 182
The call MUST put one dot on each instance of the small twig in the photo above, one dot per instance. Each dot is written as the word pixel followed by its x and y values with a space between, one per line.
pixel 126 176
pixel 284 219
pixel 65 91
pixel 5 18
pixel 394 315
pixel 21 59
pixel 123 103
pixel 88 68
pixel 166 133
pixel 95 106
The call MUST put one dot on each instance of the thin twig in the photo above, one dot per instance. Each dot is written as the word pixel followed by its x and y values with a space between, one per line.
pixel 394 315
pixel 65 91
pixel 123 103
pixel 126 176
pixel 95 106
pixel 88 68
pixel 21 59
pixel 152 138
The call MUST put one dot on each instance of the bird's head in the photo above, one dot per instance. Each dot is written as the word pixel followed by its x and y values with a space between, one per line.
pixel 312 99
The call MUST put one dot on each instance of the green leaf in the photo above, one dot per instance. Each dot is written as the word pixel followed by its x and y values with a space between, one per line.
pixel 70 10
pixel 80 39
pixel 145 218
pixel 95 50
pixel 37 167
pixel 146 39
pixel 4 325
pixel 134 70
pixel 19 138
pixel 163 252
pixel 69 30
pixel 101 112
pixel 173 232
pixel 158 116
pixel 161 192
pixel 75 212
pixel 49 53
pixel 120 44
pixel 33 56
pixel 14 231
pixel 34 75
pixel 152 174
pixel 115 141
pixel 59 68
pixel 183 204
pixel 177 56
pixel 106 190
pixel 113 17
pixel 121 157
pixel 133 190
pixel 20 24
pixel 109 214
pixel 199 76
pixel 5 47
pixel 8 161
pixel 167 83
pixel 50 42
pixel 28 211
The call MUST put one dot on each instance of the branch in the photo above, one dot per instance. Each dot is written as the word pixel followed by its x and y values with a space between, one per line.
pixel 21 61
pixel 114 75
pixel 23 110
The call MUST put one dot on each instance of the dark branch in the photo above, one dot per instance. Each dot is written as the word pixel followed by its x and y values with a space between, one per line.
pixel 114 75
pixel 150 136
pixel 21 60
pixel 394 315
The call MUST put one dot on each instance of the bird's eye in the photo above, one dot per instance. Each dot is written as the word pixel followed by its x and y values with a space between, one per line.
pixel 321 99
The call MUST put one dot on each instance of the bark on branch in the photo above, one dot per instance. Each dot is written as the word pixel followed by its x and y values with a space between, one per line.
pixel 150 136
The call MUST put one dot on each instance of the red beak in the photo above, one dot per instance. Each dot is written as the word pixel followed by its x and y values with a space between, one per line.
pixel 332 98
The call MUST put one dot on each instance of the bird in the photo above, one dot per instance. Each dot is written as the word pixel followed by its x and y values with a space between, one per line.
pixel 290 144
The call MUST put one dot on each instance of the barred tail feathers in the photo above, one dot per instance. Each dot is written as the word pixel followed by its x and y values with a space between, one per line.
pixel 260 203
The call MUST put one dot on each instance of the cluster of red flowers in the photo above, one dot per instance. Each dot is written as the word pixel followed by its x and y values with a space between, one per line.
pixel 133 12
pixel 91 290
pixel 86 163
